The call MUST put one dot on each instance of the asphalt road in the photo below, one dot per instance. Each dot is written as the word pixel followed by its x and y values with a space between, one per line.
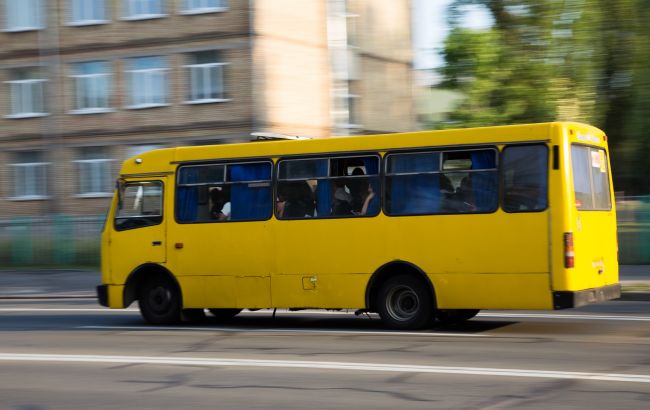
pixel 73 354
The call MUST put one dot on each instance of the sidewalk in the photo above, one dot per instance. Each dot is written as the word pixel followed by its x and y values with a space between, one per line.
pixel 53 283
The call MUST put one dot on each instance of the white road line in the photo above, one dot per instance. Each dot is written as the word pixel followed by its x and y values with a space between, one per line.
pixel 349 366
pixel 497 315
pixel 287 330
pixel 563 316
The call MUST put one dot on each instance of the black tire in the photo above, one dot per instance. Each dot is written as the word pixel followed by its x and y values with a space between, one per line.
pixel 451 316
pixel 159 300
pixel 404 302
pixel 224 314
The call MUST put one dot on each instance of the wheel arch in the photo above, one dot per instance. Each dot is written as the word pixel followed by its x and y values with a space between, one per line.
pixel 389 269
pixel 138 276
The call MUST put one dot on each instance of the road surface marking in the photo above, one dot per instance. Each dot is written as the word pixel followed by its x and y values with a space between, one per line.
pixel 350 366
pixel 491 315
pixel 287 330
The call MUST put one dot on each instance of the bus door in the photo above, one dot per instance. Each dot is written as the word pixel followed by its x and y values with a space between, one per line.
pixel 594 223
pixel 138 234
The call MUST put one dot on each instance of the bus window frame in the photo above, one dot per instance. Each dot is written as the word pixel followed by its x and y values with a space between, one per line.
pixel 122 184
pixel 502 185
pixel 609 176
pixel 225 163
pixel 328 156
pixel 440 171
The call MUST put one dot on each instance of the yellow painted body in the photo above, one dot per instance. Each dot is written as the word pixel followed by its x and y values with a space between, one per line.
pixel 479 261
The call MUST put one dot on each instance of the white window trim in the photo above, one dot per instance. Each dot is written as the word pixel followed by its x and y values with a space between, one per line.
pixel 87 111
pixel 40 18
pixel 11 97
pixel 95 194
pixel 147 105
pixel 89 22
pixel 200 10
pixel 80 23
pixel 90 110
pixel 144 17
pixel 28 197
pixel 207 101
pixel 223 82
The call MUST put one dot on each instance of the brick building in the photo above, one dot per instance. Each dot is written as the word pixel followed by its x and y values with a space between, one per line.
pixel 88 83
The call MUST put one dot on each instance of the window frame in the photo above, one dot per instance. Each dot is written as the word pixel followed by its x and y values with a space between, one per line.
pixel 72 22
pixel 76 78
pixel 191 11
pixel 159 218
pixel 206 67
pixel 148 95
pixel 225 164
pixel 591 180
pixel 39 17
pixel 94 194
pixel 21 84
pixel 440 150
pixel 31 197
pixel 502 185
pixel 126 8
pixel 325 156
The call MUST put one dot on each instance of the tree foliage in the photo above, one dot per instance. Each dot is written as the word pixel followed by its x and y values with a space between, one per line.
pixel 545 60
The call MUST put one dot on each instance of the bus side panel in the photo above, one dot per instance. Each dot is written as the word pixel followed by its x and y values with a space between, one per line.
pixel 492 291
pixel 497 260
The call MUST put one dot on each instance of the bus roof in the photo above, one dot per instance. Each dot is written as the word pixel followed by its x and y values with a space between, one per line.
pixel 164 160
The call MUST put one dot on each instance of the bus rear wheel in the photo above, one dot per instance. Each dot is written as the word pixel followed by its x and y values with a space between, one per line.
pixel 224 314
pixel 404 303
pixel 159 300
pixel 451 316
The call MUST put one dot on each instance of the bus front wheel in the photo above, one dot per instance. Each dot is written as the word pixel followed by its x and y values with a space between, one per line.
pixel 159 301
pixel 404 303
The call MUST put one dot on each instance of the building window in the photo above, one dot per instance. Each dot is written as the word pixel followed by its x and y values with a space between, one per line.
pixel 203 6
pixel 23 15
pixel 91 86
pixel 143 9
pixel 148 82
pixel 206 77
pixel 27 93
pixel 30 176
pixel 94 170
pixel 87 12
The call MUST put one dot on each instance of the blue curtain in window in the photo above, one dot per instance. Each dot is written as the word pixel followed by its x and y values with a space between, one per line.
pixel 323 190
pixel 372 168
pixel 484 184
pixel 415 194
pixel 250 202
pixel 187 197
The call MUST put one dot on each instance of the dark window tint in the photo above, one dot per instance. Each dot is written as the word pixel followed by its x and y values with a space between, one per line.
pixel 525 178
pixel 441 182
pixel 140 204
pixel 590 178
pixel 328 187
pixel 224 192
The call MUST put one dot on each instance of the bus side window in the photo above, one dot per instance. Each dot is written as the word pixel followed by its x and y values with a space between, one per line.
pixel 525 178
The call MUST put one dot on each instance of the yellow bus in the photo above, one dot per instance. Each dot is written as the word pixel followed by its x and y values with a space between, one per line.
pixel 418 226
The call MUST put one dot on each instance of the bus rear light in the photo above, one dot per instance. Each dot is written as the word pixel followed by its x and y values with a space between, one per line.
pixel 569 254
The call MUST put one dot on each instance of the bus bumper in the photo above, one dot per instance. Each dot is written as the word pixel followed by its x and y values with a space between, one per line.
pixel 572 299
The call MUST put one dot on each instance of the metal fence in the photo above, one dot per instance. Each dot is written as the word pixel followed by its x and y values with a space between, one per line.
pixel 66 241
pixel 55 241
